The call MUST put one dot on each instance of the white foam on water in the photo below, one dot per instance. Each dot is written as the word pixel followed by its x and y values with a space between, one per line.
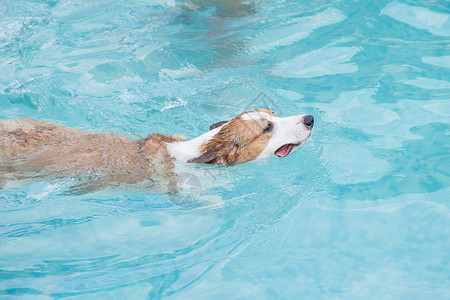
pixel 320 62
pixel 419 17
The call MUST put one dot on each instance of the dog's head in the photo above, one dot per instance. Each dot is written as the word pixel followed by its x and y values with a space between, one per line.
pixel 253 135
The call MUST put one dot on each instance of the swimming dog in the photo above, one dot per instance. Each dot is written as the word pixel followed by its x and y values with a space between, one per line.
pixel 30 148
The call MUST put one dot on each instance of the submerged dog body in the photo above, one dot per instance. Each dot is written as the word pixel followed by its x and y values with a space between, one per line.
pixel 29 147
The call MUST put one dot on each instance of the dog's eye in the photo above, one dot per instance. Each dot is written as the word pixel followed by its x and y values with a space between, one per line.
pixel 269 127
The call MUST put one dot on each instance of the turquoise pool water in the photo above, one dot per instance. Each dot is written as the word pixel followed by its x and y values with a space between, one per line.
pixel 360 212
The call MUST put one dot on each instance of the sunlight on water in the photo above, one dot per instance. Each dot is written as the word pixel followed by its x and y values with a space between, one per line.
pixel 360 212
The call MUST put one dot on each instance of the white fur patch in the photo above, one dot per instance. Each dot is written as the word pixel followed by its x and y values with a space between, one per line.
pixel 255 115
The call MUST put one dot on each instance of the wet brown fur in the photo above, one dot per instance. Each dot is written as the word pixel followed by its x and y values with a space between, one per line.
pixel 29 147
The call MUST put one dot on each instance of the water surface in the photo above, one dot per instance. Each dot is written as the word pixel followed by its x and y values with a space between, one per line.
pixel 360 212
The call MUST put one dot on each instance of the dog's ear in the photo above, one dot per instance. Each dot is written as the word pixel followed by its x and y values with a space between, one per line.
pixel 218 124
pixel 218 155
pixel 206 157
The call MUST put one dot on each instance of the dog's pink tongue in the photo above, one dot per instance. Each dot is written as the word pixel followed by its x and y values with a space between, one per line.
pixel 285 150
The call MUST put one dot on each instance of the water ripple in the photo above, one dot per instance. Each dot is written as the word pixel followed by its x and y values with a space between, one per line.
pixel 419 17
pixel 324 61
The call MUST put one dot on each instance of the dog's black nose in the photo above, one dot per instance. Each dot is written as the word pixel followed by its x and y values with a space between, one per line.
pixel 308 120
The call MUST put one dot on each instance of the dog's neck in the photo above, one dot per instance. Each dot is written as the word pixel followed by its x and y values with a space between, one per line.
pixel 185 150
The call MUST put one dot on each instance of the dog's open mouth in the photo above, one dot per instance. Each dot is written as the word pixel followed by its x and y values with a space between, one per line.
pixel 285 150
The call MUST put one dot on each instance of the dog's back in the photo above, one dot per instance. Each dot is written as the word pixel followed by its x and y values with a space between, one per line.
pixel 30 139
pixel 29 147
pixel 24 135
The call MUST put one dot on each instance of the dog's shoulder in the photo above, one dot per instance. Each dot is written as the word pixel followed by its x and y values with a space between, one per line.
pixel 156 139
pixel 154 147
